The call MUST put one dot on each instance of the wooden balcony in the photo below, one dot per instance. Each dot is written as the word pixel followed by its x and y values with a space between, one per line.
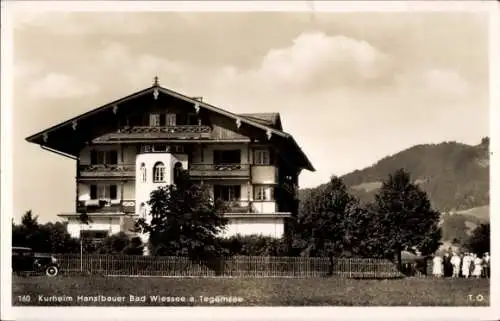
pixel 106 206
pixel 116 170
pixel 189 132
pixel 219 170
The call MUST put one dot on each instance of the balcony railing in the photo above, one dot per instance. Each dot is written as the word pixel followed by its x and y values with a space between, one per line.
pixel 219 170
pixel 106 206
pixel 115 170
pixel 163 132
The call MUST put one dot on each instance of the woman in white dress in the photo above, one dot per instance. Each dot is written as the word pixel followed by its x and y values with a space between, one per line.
pixel 455 262
pixel 478 267
pixel 437 266
pixel 466 262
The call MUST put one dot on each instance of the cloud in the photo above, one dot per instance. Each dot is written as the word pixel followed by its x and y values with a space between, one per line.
pixel 60 86
pixel 316 60
pixel 438 83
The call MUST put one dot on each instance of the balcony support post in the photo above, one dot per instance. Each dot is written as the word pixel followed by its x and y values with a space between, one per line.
pixel 121 195
pixel 249 187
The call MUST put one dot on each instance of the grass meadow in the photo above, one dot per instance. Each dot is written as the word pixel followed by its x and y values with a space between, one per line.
pixel 158 291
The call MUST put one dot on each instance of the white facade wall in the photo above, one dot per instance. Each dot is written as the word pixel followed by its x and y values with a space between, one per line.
pixel 143 189
pixel 110 224
pixel 140 191
pixel 266 207
pixel 273 227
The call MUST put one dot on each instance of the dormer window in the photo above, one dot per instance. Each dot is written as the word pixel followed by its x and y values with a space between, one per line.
pixel 171 119
pixel 154 120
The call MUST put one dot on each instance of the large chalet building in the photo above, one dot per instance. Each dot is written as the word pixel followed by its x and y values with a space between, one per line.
pixel 129 147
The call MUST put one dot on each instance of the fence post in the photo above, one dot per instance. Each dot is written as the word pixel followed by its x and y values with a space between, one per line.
pixel 81 255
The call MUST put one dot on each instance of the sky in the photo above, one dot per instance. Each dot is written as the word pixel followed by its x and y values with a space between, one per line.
pixel 351 87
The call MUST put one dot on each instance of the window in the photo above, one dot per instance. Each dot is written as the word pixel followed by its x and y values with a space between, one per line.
pixel 154 120
pixel 102 157
pixel 261 157
pixel 103 191
pixel 160 148
pixel 170 119
pixel 93 192
pixel 144 173
pixel 227 156
pixel 159 173
pixel 263 193
pixel 227 192
pixel 177 148
pixel 94 236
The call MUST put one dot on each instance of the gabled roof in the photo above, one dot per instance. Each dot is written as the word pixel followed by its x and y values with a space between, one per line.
pixel 269 122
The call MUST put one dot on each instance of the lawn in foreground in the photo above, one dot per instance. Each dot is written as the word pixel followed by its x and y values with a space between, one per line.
pixel 250 292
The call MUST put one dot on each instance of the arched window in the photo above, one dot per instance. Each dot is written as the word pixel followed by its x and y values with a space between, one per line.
pixel 144 173
pixel 159 173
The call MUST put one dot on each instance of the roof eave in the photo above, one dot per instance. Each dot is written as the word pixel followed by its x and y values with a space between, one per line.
pixel 308 164
pixel 33 138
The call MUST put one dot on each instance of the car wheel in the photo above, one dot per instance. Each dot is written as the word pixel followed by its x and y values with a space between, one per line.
pixel 51 270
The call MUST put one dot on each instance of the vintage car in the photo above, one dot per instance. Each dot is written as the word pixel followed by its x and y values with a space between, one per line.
pixel 25 260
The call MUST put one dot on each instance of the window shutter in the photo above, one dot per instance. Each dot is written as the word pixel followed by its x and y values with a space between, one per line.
pixel 93 192
pixel 93 157
pixel 112 192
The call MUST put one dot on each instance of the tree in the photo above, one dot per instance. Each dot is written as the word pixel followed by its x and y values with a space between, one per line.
pixel 184 221
pixel 255 245
pixel 403 218
pixel 479 241
pixel 326 222
pixel 46 238
pixel 121 243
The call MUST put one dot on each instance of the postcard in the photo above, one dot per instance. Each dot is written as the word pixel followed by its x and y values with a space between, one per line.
pixel 244 160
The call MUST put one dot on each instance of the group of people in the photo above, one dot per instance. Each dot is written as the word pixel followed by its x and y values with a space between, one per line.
pixel 461 265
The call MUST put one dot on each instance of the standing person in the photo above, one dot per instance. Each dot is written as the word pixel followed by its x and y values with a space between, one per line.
pixel 466 262
pixel 478 266
pixel 455 262
pixel 486 264
pixel 437 266
pixel 447 265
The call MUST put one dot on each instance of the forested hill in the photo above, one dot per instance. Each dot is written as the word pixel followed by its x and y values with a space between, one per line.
pixel 455 175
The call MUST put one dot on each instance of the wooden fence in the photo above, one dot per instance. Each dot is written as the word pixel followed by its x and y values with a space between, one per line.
pixel 242 266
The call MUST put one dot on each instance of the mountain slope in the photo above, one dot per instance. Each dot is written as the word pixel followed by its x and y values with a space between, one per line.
pixel 454 175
